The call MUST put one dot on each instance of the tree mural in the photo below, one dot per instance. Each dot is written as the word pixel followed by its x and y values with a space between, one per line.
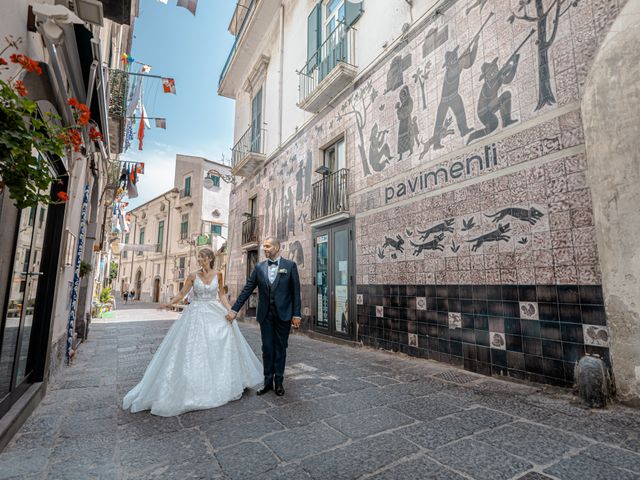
pixel 545 40
pixel 358 104
pixel 420 77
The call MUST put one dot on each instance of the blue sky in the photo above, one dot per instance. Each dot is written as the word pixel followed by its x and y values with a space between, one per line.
pixel 192 50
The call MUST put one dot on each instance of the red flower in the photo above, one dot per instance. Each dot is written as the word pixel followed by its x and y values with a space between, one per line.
pixel 94 134
pixel 73 139
pixel 20 88
pixel 74 103
pixel 3 61
pixel 27 63
pixel 83 111
pixel 62 196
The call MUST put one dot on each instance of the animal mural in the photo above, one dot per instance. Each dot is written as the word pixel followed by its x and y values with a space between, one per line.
pixel 445 226
pixel 431 245
pixel 531 215
pixel 296 253
pixel 494 236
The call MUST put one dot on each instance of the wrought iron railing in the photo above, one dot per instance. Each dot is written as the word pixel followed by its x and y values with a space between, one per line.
pixel 251 141
pixel 339 47
pixel 185 192
pixel 235 43
pixel 329 195
pixel 250 230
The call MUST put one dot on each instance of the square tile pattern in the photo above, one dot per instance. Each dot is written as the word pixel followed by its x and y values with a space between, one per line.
pixel 529 332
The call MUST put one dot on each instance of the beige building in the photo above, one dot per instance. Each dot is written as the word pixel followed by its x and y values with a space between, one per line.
pixel 159 251
pixel 456 179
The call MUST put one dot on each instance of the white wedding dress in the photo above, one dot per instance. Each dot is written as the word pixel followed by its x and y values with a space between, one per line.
pixel 203 362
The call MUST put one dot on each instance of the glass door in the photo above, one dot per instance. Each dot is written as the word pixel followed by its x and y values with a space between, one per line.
pixel 334 280
pixel 15 336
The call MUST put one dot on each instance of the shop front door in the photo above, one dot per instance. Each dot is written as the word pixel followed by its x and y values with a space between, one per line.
pixel 333 280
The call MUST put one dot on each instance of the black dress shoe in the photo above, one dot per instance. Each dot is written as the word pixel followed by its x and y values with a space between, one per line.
pixel 279 390
pixel 265 389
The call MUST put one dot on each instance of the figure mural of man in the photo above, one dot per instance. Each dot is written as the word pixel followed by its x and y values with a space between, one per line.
pixel 279 308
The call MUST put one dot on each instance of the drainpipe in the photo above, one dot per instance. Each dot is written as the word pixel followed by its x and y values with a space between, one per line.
pixel 166 253
pixel 280 81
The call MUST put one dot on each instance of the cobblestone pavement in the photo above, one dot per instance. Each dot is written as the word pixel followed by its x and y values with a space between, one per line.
pixel 348 413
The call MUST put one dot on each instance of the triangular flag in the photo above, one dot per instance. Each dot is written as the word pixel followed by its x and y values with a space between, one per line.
pixel 147 124
pixel 141 131
pixel 169 85
pixel 145 68
pixel 189 5
pixel 161 123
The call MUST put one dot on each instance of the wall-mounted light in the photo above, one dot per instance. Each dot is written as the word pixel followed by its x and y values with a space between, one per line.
pixel 90 11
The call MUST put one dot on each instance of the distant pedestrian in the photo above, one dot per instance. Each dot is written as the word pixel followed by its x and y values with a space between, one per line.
pixel 126 297
pixel 132 295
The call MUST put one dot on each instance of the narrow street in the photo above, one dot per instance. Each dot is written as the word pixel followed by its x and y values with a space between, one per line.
pixel 347 413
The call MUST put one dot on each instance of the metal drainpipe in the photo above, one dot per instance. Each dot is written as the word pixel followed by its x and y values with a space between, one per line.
pixel 134 239
pixel 166 252
pixel 281 74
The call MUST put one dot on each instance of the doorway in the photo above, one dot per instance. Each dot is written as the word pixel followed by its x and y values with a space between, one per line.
pixel 138 285
pixel 334 280
pixel 156 290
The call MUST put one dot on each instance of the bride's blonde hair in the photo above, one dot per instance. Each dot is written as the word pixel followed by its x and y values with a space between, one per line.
pixel 207 252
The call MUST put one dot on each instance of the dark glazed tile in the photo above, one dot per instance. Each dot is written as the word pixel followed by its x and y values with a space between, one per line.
pixel 482 338
pixel 552 349
pixel 553 368
pixel 533 364
pixel 510 293
pixel 527 293
pixel 593 315
pixel 511 309
pixel 591 294
pixel 481 322
pixel 512 326
pixel 570 313
pixel 532 346
pixel 550 330
pixel 548 311
pixel 572 351
pixel 494 292
pixel 568 294
pixel 479 292
pixel 547 293
pixel 515 360
pixel 530 328
pixel 499 357
pixel 572 333
pixel 483 354
pixel 514 343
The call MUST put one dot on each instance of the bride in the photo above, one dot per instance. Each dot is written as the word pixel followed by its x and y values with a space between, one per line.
pixel 204 361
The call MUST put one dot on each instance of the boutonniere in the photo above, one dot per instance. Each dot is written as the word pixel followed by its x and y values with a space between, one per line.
pixel 282 271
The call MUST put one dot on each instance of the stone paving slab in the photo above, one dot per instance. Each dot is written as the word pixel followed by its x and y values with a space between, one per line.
pixel 348 413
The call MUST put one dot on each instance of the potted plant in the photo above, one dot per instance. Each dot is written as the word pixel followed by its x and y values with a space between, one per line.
pixel 85 268
pixel 24 130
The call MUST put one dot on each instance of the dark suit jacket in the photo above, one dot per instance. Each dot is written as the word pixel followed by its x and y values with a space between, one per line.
pixel 285 291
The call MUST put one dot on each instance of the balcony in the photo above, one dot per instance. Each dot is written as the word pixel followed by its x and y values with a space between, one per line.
pixel 250 21
pixel 158 248
pixel 330 198
pixel 180 272
pixel 250 232
pixel 185 192
pixel 118 89
pixel 247 155
pixel 329 71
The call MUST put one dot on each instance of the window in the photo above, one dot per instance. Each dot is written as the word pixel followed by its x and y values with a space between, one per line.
pixel 256 122
pixel 125 254
pixel 32 216
pixel 253 206
pixel 181 268
pixel 184 226
pixel 42 216
pixel 186 191
pixel 334 14
pixel 141 241
pixel 216 229
pixel 160 235
pixel 334 158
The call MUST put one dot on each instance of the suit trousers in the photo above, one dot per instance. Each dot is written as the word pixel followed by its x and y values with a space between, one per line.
pixel 275 339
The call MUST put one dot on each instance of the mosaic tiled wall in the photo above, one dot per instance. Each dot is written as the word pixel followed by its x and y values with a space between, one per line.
pixel 475 241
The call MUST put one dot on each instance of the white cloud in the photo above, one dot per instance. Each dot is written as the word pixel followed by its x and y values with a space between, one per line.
pixel 159 168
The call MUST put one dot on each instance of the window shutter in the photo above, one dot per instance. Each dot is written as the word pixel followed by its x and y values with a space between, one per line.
pixel 353 10
pixel 313 33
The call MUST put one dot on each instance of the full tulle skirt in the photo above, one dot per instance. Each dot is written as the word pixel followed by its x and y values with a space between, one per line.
pixel 203 362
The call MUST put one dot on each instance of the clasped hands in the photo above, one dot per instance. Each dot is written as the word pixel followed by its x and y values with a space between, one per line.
pixel 231 316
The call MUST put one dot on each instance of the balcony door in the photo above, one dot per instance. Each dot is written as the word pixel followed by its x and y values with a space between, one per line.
pixel 256 122
pixel 334 280
pixel 252 261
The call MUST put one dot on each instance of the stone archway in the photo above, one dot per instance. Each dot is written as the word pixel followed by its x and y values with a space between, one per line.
pixel 611 117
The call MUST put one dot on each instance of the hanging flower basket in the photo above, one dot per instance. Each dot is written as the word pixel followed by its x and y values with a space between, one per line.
pixel 27 137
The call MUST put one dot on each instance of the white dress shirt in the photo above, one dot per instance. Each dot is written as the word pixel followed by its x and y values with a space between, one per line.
pixel 273 269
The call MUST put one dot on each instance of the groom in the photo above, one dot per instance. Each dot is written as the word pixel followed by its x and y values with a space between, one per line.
pixel 278 308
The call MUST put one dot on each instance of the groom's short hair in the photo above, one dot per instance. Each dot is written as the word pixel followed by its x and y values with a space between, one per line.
pixel 274 240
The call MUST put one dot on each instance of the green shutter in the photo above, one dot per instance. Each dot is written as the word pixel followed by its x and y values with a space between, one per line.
pixel 353 10
pixel 314 33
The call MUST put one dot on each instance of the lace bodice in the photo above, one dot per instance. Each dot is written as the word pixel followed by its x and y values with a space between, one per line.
pixel 205 291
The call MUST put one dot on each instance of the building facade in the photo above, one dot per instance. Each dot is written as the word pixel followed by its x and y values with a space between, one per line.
pixel 165 233
pixel 426 165
pixel 44 301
